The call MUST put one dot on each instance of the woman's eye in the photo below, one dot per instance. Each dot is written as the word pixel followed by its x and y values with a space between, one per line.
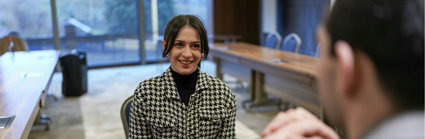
pixel 178 44
pixel 196 46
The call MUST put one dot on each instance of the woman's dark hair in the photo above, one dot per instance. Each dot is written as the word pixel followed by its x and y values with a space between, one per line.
pixel 175 24
pixel 391 34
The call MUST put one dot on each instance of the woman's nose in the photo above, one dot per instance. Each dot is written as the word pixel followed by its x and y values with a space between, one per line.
pixel 187 52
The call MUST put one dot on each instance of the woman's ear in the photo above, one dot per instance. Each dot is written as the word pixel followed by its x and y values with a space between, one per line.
pixel 163 44
pixel 163 47
pixel 346 74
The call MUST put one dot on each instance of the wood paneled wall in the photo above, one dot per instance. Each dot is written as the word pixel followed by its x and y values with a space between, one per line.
pixel 237 17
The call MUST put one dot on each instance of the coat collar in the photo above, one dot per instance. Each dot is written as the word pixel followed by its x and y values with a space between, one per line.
pixel 170 86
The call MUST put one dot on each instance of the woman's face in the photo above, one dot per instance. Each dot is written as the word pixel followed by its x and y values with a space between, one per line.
pixel 186 51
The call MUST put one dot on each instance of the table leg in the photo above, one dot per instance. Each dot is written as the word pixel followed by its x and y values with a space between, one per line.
pixel 252 91
pixel 261 97
pixel 252 86
pixel 258 96
pixel 218 72
pixel 43 120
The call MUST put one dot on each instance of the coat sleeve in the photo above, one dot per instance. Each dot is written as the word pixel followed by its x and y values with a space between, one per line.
pixel 138 127
pixel 228 129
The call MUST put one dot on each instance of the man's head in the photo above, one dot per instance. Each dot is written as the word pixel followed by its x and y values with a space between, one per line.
pixel 372 50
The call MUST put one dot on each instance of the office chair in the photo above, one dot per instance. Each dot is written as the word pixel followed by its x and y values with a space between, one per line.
pixel 272 40
pixel 291 43
pixel 125 114
pixel 19 44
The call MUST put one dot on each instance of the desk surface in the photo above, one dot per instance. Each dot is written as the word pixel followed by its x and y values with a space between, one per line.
pixel 24 77
pixel 279 59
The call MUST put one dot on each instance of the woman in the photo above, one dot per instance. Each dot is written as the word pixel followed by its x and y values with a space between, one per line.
pixel 183 102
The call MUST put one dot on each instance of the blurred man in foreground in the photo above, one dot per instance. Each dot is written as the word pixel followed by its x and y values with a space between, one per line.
pixel 371 77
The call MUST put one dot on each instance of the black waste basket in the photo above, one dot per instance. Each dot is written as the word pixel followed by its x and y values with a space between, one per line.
pixel 74 72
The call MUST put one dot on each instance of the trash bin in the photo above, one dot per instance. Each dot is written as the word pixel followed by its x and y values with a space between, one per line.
pixel 74 72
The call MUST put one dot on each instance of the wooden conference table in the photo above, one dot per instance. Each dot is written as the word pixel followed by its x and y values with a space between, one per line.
pixel 24 80
pixel 289 76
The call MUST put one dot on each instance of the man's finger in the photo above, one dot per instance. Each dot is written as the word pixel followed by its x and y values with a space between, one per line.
pixel 311 128
pixel 280 120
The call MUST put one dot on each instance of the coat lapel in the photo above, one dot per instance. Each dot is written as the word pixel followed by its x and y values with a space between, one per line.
pixel 169 85
pixel 202 82
pixel 170 88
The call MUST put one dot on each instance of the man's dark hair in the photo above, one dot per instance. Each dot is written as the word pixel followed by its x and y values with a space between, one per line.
pixel 175 24
pixel 391 33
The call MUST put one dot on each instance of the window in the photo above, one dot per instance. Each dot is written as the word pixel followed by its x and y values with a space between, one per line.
pixel 34 26
pixel 159 12
pixel 107 30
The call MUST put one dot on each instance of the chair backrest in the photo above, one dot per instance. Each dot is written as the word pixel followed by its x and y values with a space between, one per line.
pixel 272 40
pixel 291 43
pixel 18 43
pixel 125 114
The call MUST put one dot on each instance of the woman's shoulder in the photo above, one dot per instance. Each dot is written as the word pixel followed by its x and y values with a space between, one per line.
pixel 149 84
pixel 148 88
pixel 152 80
pixel 219 88
pixel 216 83
pixel 213 80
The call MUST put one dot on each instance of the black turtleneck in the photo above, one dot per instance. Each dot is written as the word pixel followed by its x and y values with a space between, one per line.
pixel 185 84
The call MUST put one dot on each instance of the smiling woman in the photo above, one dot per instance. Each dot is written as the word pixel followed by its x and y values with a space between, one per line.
pixel 192 32
pixel 183 102
pixel 185 52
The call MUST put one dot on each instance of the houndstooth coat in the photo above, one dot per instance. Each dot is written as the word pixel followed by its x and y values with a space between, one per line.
pixel 158 112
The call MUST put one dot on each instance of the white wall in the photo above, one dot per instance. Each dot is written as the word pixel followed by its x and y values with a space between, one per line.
pixel 268 16
pixel 332 3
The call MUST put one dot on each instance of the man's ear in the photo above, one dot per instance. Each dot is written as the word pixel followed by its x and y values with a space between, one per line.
pixel 346 63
